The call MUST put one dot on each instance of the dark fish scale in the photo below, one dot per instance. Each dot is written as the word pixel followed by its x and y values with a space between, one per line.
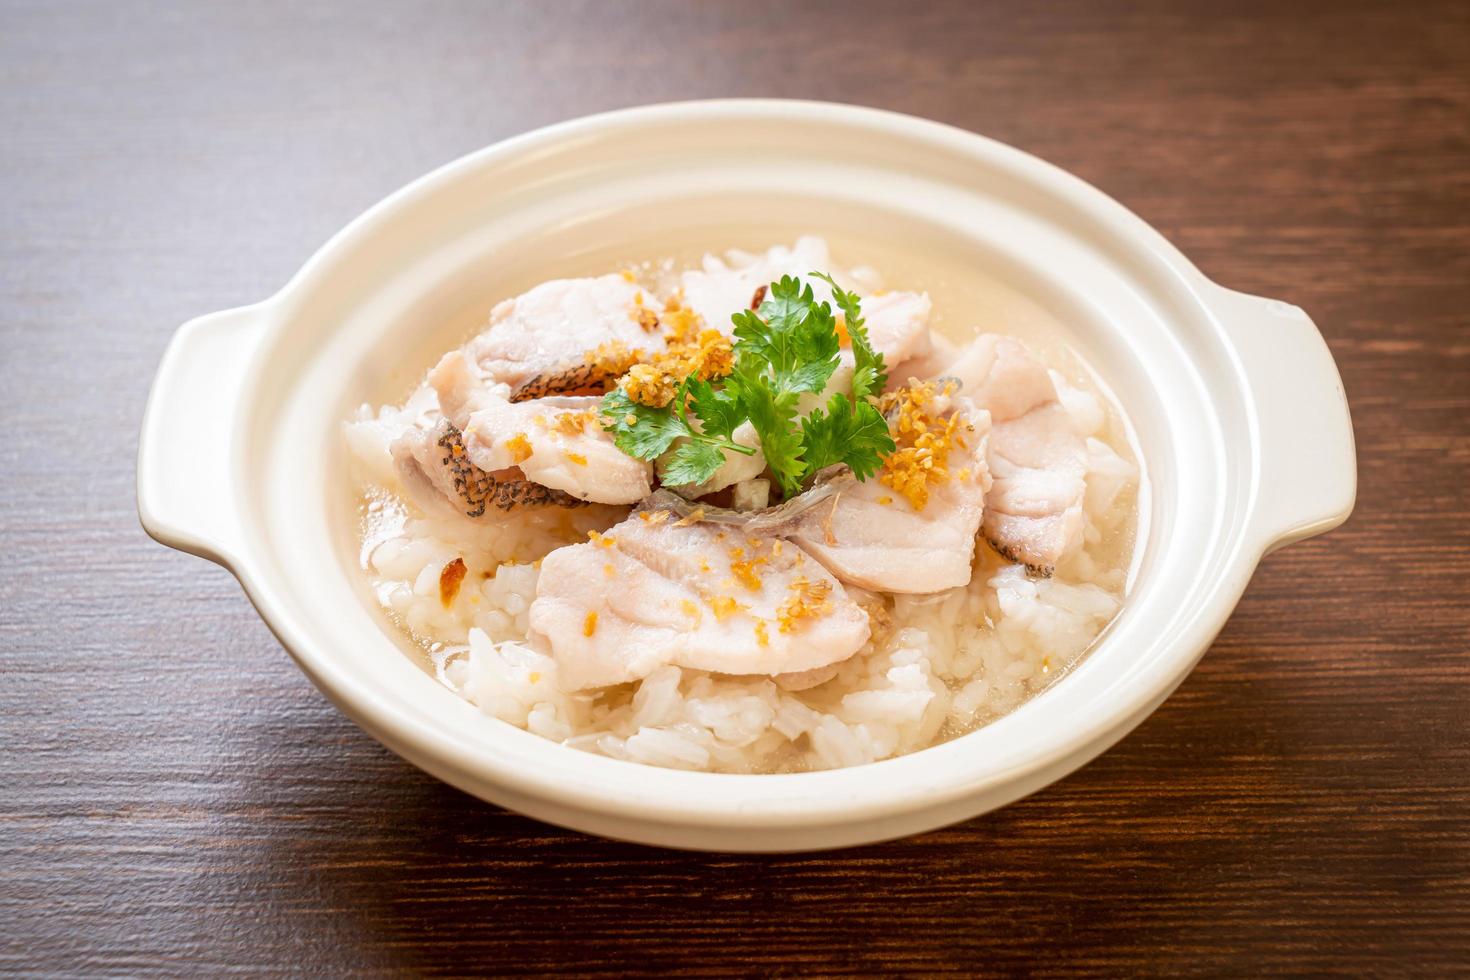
pixel 584 379
pixel 478 490
pixel 1012 555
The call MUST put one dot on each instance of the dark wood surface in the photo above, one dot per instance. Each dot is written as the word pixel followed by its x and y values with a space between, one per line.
pixel 175 796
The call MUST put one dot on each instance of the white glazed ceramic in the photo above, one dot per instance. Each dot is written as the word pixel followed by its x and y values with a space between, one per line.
pixel 1239 412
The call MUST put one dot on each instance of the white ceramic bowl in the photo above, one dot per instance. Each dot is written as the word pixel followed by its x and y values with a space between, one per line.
pixel 1238 408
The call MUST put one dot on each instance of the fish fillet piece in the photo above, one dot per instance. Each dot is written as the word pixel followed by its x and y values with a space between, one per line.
pixel 726 285
pixel 898 325
pixel 868 535
pixel 436 471
pixel 557 443
pixel 1037 458
pixel 898 322
pixel 654 591
pixel 545 340
pixel 1034 508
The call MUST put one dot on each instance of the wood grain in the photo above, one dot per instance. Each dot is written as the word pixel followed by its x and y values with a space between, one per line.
pixel 177 798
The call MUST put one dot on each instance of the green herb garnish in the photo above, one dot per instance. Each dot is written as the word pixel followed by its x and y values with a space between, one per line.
pixel 647 433
pixel 783 350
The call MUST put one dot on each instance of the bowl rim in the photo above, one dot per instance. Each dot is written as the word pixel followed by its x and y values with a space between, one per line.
pixel 844 796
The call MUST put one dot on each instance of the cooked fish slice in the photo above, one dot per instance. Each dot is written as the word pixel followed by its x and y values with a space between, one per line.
pixel 462 388
pixel 438 475
pixel 727 285
pixel 1038 460
pixel 775 520
pixel 547 341
pixel 559 443
pixel 897 322
pixel 898 325
pixel 868 535
pixel 655 590
pixel 1034 508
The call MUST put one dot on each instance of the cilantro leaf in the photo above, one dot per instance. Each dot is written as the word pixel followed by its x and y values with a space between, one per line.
pixel 785 349
pixel 692 462
pixel 870 374
pixel 868 440
pixel 650 433
pixel 719 411
pixel 639 430
pixel 855 434
pixel 791 341
pixel 773 415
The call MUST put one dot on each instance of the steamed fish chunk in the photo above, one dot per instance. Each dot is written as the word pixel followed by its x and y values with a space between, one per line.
pixel 545 340
pixel 898 325
pixel 898 322
pixel 725 286
pixel 437 474
pixel 1038 459
pixel 559 443
pixel 868 535
pixel 1002 375
pixel 462 388
pixel 656 591
pixel 1034 508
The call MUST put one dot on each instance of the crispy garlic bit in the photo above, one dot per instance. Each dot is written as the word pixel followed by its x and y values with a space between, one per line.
pixel 924 439
pixel 612 359
pixel 574 423
pixel 680 322
pixel 653 383
pixel 807 599
pixel 744 571
pixel 724 606
pixel 650 384
pixel 710 356
pixel 691 350
pixel 647 319
pixel 519 446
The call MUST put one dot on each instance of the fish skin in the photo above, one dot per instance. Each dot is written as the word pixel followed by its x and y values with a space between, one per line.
pixel 583 462
pixel 438 476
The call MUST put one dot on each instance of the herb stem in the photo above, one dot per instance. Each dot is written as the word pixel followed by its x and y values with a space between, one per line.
pixel 720 442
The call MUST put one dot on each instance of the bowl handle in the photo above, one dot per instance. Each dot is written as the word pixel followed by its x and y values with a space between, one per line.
pixel 1307 473
pixel 186 496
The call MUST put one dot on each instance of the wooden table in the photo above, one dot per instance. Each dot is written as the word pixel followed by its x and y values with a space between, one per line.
pixel 175 796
